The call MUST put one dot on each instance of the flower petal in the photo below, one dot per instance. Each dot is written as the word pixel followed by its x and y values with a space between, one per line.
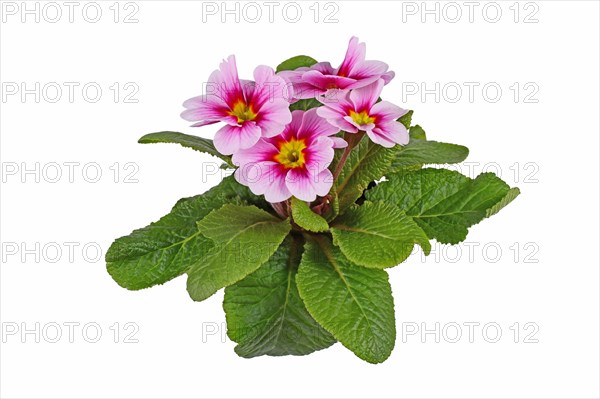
pixel 229 81
pixel 273 117
pixel 385 111
pixel 389 134
pixel 364 97
pixel 388 76
pixel 268 87
pixel 319 154
pixel 363 82
pixel 205 107
pixel 351 121
pixel 204 123
pixel 300 89
pixel 306 185
pixel 261 151
pixel 298 182
pixel 325 82
pixel 224 83
pixel 366 69
pixel 336 118
pixel 264 178
pixel 323 183
pixel 324 67
pixel 339 142
pixel 291 129
pixel 313 126
pixel 355 55
pixel 340 102
pixel 229 139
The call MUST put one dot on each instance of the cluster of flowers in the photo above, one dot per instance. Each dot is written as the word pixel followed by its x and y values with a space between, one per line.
pixel 280 153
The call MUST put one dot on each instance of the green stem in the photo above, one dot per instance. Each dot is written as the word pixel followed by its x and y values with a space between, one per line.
pixel 352 139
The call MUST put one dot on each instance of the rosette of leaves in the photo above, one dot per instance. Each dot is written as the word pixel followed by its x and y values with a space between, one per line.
pixel 297 285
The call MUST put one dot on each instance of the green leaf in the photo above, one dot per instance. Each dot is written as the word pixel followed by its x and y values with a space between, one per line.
pixel 377 235
pixel 305 105
pixel 367 162
pixel 265 314
pixel 353 303
pixel 406 119
pixel 508 198
pixel 245 237
pixel 186 140
pixel 304 217
pixel 295 63
pixel 165 249
pixel 444 203
pixel 419 152
pixel 417 132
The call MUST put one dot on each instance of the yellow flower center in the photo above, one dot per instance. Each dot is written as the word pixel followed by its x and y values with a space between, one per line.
pixel 361 118
pixel 291 154
pixel 243 112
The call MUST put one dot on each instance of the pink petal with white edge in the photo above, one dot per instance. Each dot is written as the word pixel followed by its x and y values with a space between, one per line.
pixel 390 134
pixel 224 83
pixel 319 154
pixel 230 120
pixel 264 178
pixel 364 97
pixel 388 76
pixel 378 137
pixel 367 69
pixel 291 129
pixel 205 100
pixel 354 55
pixel 204 107
pixel 339 142
pixel 366 128
pixel 268 87
pixel 204 123
pixel 278 191
pixel 313 126
pixel 306 185
pixel 336 119
pixel 363 82
pixel 261 151
pixel 385 112
pixel 230 139
pixel 232 87
pixel 257 174
pixel 323 182
pixel 299 89
pixel 324 67
pixel 248 87
pixel 298 181
pixel 303 91
pixel 340 103
pixel 273 117
pixel 325 82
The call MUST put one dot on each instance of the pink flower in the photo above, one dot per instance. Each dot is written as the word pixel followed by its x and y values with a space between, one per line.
pixel 251 109
pixel 359 110
pixel 292 163
pixel 354 72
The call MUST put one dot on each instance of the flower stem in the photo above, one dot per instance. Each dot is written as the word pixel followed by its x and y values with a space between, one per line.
pixel 352 139
pixel 281 208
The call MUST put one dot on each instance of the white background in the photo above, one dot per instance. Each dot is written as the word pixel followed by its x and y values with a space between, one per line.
pixel 168 54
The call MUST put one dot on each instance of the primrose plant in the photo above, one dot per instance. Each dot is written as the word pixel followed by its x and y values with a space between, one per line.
pixel 329 190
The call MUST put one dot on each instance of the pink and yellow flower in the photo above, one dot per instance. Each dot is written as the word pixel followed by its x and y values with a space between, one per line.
pixel 358 110
pixel 293 163
pixel 354 72
pixel 251 110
